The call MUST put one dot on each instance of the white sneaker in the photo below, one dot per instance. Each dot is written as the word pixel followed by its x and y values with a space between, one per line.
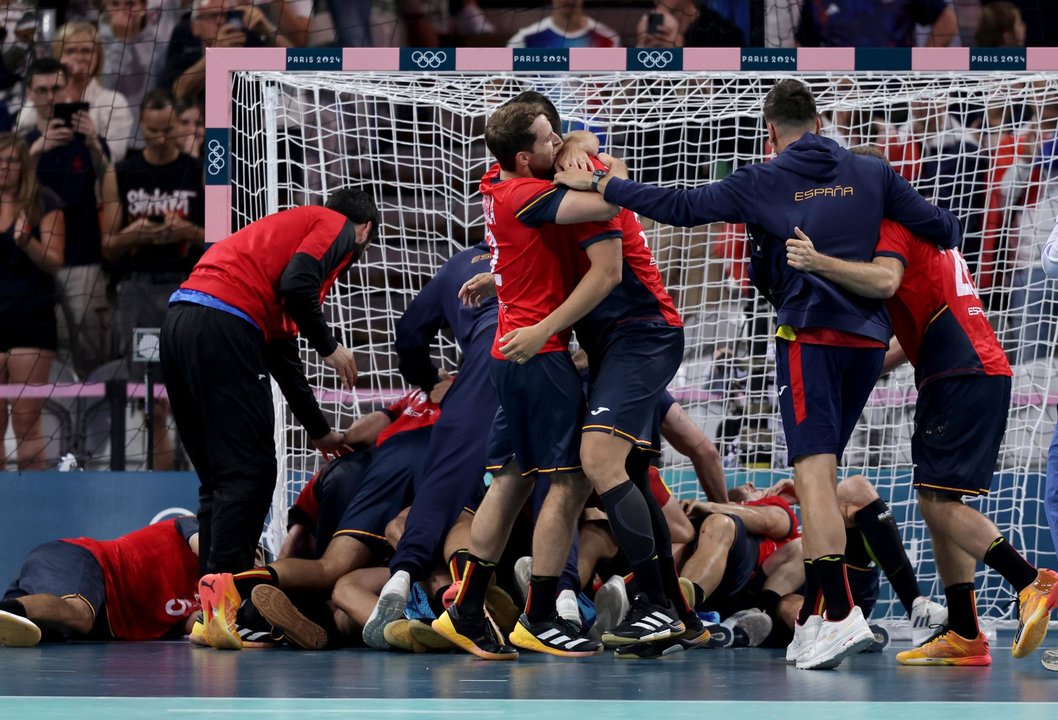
pixel 836 641
pixel 804 636
pixel 390 607
pixel 523 574
pixel 611 606
pixel 567 608
pixel 926 618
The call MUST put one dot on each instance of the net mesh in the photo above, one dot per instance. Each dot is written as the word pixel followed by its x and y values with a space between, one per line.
pixel 981 144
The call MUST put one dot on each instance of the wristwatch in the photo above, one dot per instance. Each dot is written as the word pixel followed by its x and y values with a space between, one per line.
pixel 596 178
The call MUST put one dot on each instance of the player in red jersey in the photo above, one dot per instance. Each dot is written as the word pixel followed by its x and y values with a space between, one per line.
pixel 535 270
pixel 140 586
pixel 964 394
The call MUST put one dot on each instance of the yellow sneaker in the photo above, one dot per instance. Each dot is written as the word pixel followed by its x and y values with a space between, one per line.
pixel 197 636
pixel 1033 613
pixel 220 604
pixel 949 649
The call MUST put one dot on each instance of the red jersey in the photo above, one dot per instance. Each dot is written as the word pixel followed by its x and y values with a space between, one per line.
pixel 768 546
pixel 937 315
pixel 151 578
pixel 641 295
pixel 534 261
pixel 412 412
pixel 245 270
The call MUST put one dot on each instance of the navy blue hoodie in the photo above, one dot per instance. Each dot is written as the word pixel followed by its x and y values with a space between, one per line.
pixel 437 306
pixel 838 199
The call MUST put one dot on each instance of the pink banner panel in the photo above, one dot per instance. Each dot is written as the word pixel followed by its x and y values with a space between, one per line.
pixel 724 59
pixel 218 212
pixel 371 59
pixel 485 59
pixel 923 58
pixel 220 62
pixel 1041 58
pixel 603 59
pixel 826 58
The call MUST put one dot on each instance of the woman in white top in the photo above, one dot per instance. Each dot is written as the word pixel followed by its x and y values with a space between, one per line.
pixel 76 47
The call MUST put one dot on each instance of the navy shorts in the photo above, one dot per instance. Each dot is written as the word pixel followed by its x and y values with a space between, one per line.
pixel 335 489
pixel 538 423
pixel 388 486
pixel 959 426
pixel 741 567
pixel 64 570
pixel 822 390
pixel 627 376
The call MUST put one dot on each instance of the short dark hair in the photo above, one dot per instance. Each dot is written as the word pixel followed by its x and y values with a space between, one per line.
pixel 535 98
pixel 44 66
pixel 509 132
pixel 790 104
pixel 358 206
pixel 997 19
pixel 158 99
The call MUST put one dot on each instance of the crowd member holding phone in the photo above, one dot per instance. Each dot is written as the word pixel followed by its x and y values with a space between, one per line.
pixel 72 159
pixel 78 48
pixel 152 235
pixel 213 23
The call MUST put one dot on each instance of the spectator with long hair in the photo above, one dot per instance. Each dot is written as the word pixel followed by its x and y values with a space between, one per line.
pixel 32 243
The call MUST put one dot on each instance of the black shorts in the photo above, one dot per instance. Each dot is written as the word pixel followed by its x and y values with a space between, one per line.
pixel 538 423
pixel 33 328
pixel 64 570
pixel 959 426
pixel 627 377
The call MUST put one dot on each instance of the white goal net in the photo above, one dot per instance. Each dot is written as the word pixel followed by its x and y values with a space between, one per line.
pixel 983 145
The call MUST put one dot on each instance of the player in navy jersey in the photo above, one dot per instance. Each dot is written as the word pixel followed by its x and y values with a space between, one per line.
pixel 456 455
pixel 536 269
pixel 964 394
pixel 831 342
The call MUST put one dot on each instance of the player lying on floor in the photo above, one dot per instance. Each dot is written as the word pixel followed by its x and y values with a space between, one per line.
pixel 140 586
pixel 873 543
pixel 364 491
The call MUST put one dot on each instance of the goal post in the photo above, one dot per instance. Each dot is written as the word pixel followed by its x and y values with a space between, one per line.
pixel 286 127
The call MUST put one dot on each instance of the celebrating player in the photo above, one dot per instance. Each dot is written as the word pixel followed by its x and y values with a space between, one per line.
pixel 831 342
pixel 961 413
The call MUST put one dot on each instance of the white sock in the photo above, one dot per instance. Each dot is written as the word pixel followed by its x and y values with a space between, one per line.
pixel 399 584
pixel 567 607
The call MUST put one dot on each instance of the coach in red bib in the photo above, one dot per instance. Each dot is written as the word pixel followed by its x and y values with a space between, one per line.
pixel 233 323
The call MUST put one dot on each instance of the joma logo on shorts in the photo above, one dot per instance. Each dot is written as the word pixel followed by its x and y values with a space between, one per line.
pixel 836 191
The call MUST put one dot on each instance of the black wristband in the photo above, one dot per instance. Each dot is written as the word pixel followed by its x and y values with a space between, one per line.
pixel 596 178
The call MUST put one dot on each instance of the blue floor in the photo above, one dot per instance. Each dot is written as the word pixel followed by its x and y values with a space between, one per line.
pixel 171 679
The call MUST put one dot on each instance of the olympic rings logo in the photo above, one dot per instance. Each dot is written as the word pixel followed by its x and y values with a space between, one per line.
pixel 429 58
pixel 654 58
pixel 215 157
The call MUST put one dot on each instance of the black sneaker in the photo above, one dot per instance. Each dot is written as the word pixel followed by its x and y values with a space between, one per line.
pixel 554 636
pixel 695 635
pixel 477 635
pixel 720 636
pixel 881 640
pixel 645 622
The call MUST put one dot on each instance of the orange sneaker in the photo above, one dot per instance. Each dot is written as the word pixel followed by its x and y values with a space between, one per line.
pixel 220 603
pixel 1034 612
pixel 949 649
